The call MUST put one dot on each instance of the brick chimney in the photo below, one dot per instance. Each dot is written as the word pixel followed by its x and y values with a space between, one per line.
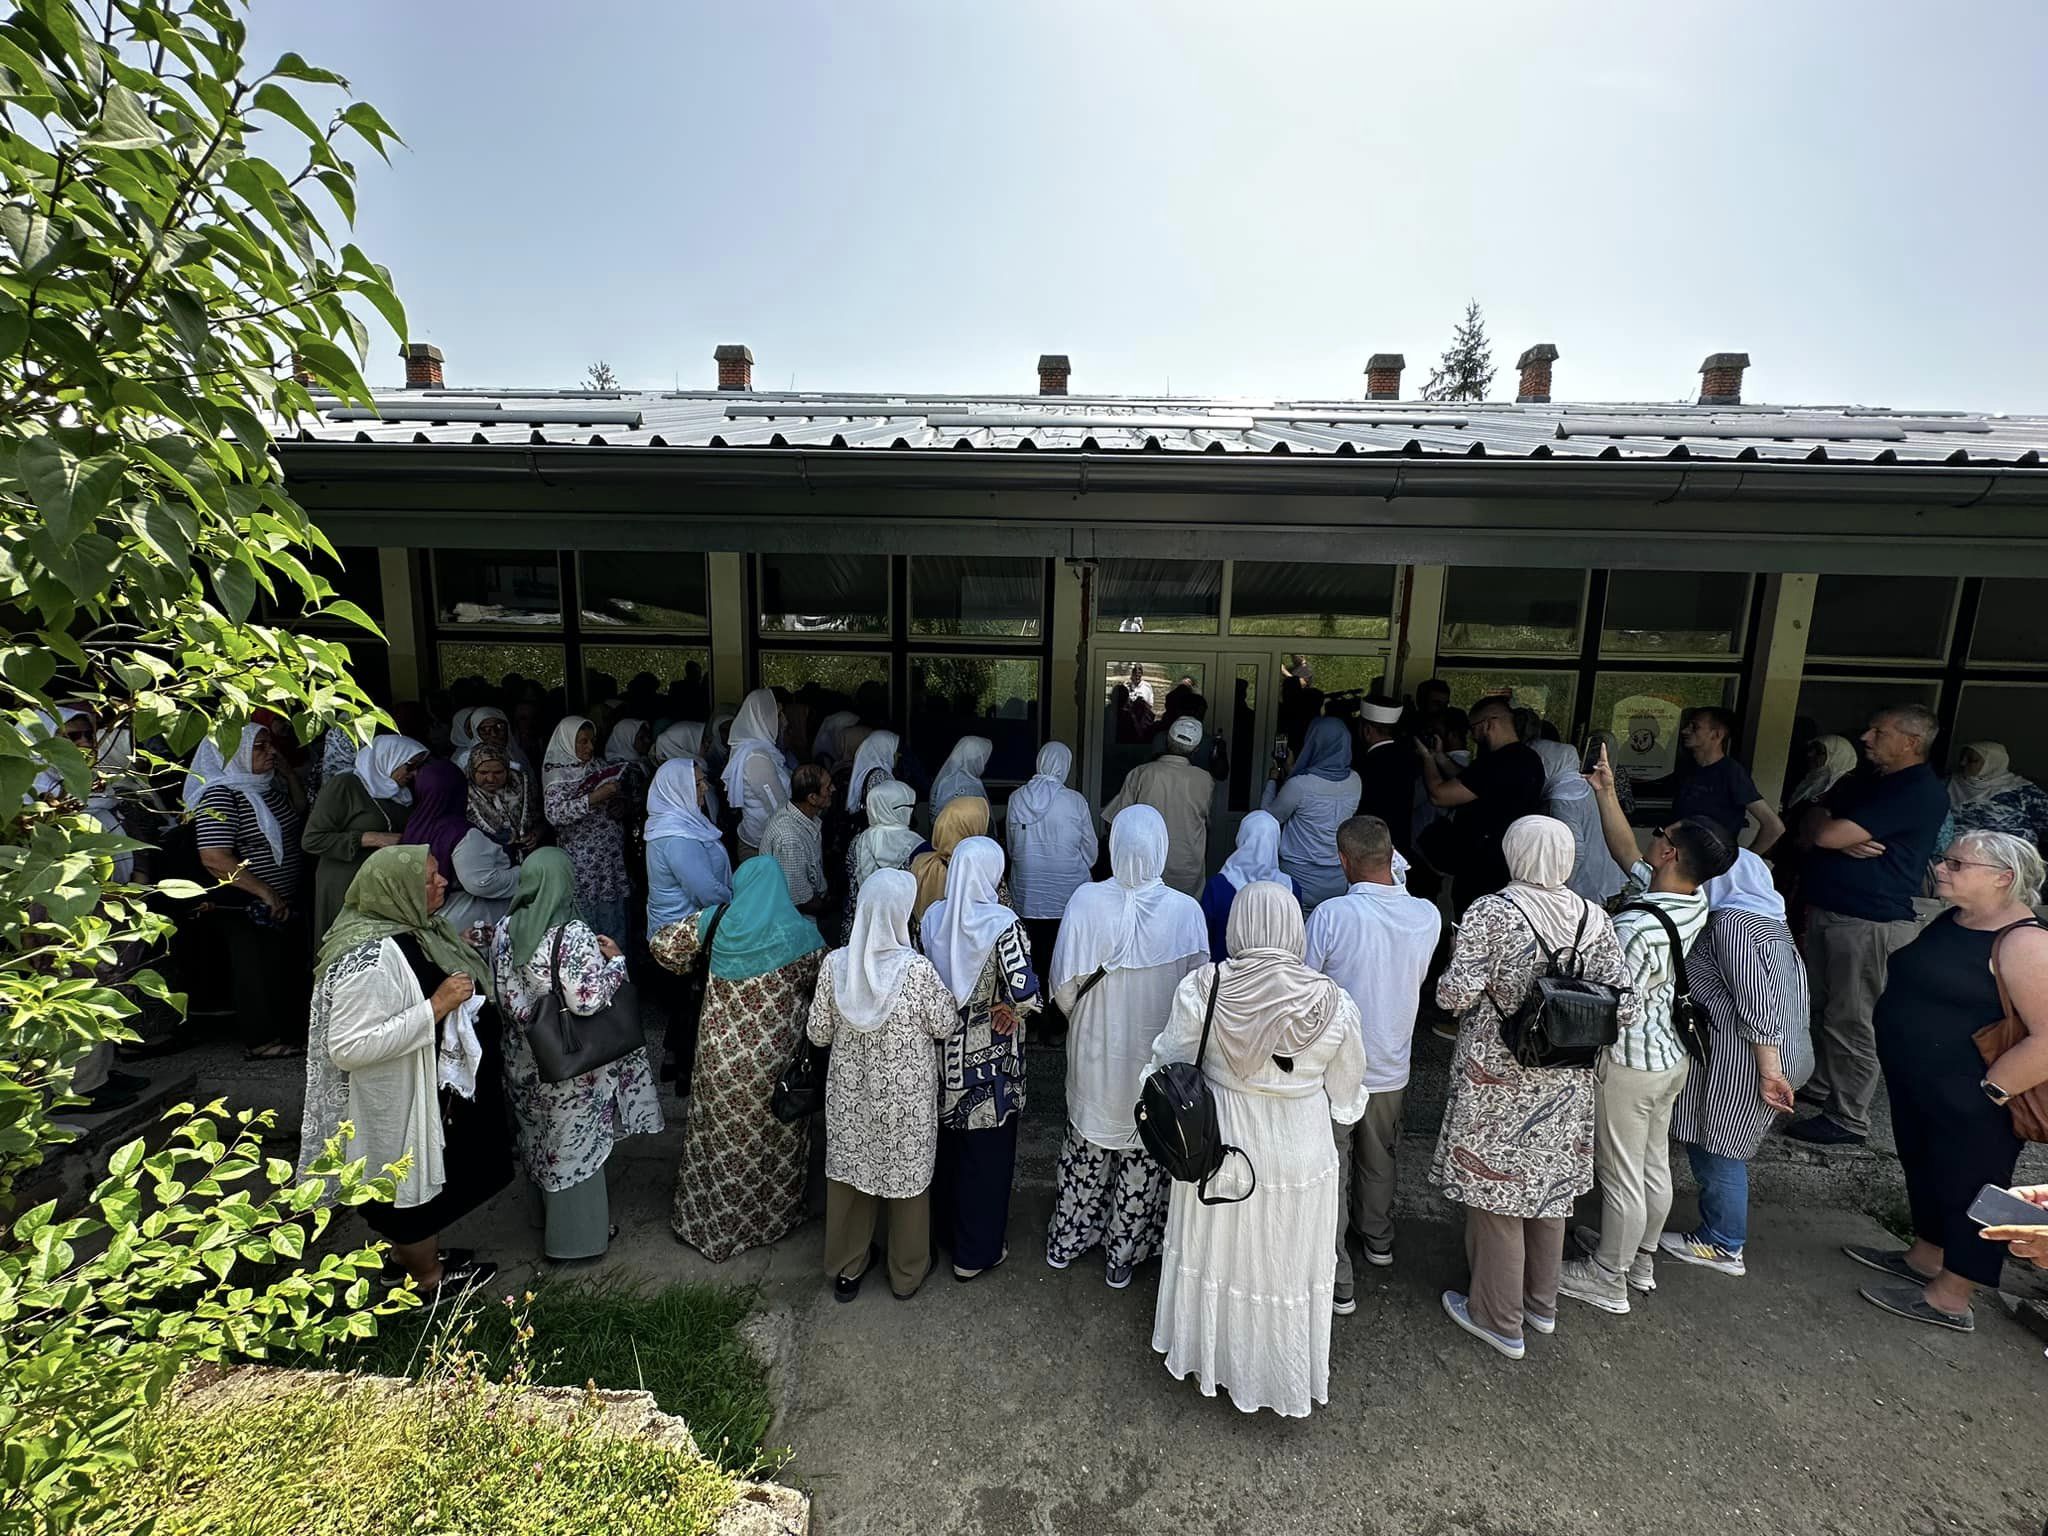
pixel 735 366
pixel 1721 378
pixel 1053 369
pixel 1535 365
pixel 1383 375
pixel 422 365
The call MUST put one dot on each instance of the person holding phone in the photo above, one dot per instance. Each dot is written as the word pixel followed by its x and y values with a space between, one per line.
pixel 2027 1240
pixel 1949 1113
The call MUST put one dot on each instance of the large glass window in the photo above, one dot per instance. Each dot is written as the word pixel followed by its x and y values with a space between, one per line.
pixel 993 595
pixel 2012 714
pixel 992 696
pixel 1324 602
pixel 611 670
pixel 1843 706
pixel 1645 709
pixel 493 662
pixel 1550 694
pixel 1882 616
pixel 844 673
pixel 1154 597
pixel 521 587
pixel 2012 621
pixel 1135 690
pixel 636 589
pixel 1511 610
pixel 824 594
pixel 1675 613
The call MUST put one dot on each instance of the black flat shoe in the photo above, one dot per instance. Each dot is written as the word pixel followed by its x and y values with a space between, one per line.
pixel 456 1279
pixel 1820 1131
pixel 844 1289
pixel 451 1258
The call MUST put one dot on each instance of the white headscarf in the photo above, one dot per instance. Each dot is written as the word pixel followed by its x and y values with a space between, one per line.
pixel 467 734
pixel 380 759
pixel 1257 856
pixel 1267 1002
pixel 237 773
pixel 1134 920
pixel 672 809
pixel 868 974
pixel 878 751
pixel 1563 777
pixel 462 734
pixel 826 742
pixel 888 841
pixel 1540 853
pixel 961 929
pixel 560 758
pixel 754 730
pixel 961 775
pixel 1035 799
pixel 683 739
pixel 622 746
pixel 1747 887
pixel 1993 777
pixel 1838 757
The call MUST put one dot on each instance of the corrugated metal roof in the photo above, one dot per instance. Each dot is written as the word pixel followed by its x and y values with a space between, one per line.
pixel 1180 424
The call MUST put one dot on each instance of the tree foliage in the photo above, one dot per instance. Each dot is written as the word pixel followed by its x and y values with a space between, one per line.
pixel 1466 369
pixel 171 292
pixel 599 375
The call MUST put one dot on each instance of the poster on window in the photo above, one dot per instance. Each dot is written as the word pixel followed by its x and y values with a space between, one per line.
pixel 1646 727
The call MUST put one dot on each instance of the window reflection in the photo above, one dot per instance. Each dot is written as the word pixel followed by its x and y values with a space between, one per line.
pixel 996 697
pixel 521 587
pixel 989 595
pixel 824 594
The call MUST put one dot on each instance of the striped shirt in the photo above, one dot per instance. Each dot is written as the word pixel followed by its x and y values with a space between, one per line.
pixel 224 819
pixel 796 842
pixel 1649 1044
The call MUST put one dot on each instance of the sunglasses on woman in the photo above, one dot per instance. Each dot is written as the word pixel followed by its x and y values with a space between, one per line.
pixel 1954 866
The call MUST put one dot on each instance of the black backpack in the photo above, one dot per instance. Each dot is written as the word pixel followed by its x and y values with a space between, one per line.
pixel 1564 1021
pixel 1689 1019
pixel 1177 1120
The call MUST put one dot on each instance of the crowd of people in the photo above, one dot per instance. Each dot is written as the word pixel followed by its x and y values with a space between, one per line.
pixel 409 912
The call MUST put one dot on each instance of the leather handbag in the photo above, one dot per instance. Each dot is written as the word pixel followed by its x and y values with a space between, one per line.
pixel 688 1007
pixel 2030 1109
pixel 1564 1021
pixel 1177 1120
pixel 800 1091
pixel 566 1044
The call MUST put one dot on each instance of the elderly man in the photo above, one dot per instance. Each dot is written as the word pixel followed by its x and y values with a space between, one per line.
pixel 1871 839
pixel 794 838
pixel 1719 789
pixel 1179 791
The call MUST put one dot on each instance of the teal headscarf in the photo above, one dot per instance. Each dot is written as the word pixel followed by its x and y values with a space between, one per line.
pixel 388 897
pixel 762 930
pixel 545 899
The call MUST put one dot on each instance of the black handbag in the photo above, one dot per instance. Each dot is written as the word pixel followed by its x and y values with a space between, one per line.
pixel 687 1006
pixel 1689 1019
pixel 1564 1021
pixel 1177 1121
pixel 566 1044
pixel 800 1091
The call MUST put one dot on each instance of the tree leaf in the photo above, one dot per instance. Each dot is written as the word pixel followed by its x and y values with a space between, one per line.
pixel 279 102
pixel 292 67
pixel 124 124
pixel 71 495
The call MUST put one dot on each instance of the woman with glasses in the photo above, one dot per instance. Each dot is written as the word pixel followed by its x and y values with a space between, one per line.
pixel 1949 1113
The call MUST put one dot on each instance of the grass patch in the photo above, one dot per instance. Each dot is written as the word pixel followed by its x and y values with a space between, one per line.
pixel 681 1342
pixel 468 1457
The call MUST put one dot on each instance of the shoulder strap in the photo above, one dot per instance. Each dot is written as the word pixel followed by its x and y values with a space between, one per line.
pixel 1089 985
pixel 1214 982
pixel 1549 954
pixel 1678 981
pixel 555 965
pixel 711 932
pixel 2005 997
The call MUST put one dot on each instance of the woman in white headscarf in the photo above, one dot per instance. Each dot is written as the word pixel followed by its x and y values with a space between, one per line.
pixel 355 814
pixel 1985 795
pixel 827 747
pixel 247 830
pixel 1829 759
pixel 1256 857
pixel 1746 972
pixel 687 871
pixel 960 776
pixel 489 726
pixel 1245 1289
pixel 875 761
pixel 1123 948
pixel 1517 1142
pixel 1595 875
pixel 880 1005
pixel 686 739
pixel 978 946
pixel 581 795
pixel 1053 844
pixel 756 779
pixel 888 842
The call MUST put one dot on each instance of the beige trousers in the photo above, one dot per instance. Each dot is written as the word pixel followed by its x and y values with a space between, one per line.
pixel 850 1218
pixel 1845 966
pixel 1632 1154
pixel 1366 1177
pixel 1514 1262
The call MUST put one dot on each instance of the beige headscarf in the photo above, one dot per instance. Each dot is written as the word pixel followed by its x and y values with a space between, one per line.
pixel 961 819
pixel 1267 1002
pixel 1994 775
pixel 1540 853
pixel 1837 757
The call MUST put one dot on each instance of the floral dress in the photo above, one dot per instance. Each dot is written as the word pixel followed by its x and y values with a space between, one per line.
pixel 741 1179
pixel 591 836
pixel 1517 1141
pixel 882 1088
pixel 566 1130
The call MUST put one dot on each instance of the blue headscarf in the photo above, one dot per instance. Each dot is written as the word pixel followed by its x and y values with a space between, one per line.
pixel 1326 754
pixel 762 930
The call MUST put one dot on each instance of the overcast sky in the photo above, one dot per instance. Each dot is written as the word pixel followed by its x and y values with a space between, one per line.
pixel 1245 198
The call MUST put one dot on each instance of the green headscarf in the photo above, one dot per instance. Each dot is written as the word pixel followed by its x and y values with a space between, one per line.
pixel 388 897
pixel 545 899
pixel 762 930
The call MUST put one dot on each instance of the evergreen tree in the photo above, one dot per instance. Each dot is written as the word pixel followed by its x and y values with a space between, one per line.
pixel 1466 372
pixel 599 375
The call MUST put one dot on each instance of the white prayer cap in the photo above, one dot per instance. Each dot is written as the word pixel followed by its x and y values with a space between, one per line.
pixel 1185 733
pixel 1380 714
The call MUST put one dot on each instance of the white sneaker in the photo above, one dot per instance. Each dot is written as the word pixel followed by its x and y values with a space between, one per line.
pixel 1642 1274
pixel 1379 1258
pixel 1691 1248
pixel 1588 1281
pixel 1458 1307
pixel 1545 1325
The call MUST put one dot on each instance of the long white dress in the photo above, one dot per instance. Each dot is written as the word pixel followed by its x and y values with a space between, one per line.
pixel 1245 1289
